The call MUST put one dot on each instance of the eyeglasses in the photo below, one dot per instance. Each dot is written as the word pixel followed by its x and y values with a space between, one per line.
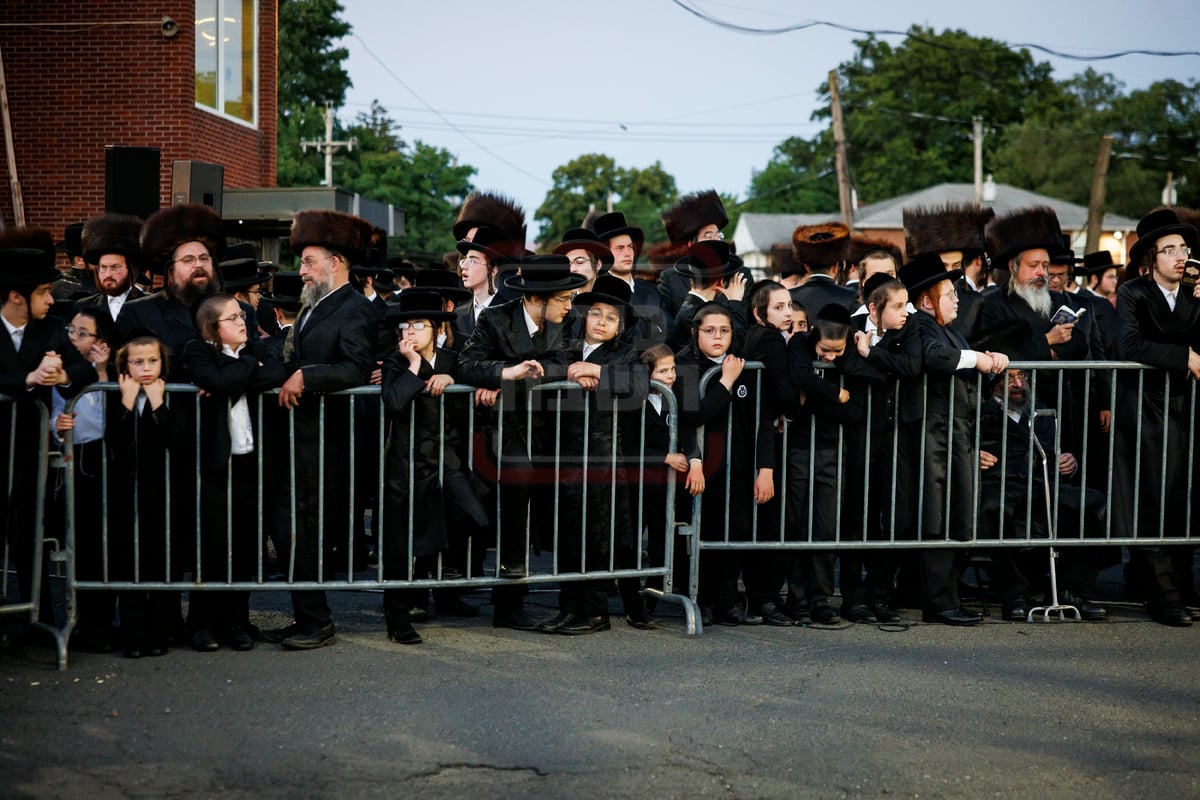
pixel 564 300
pixel 472 261
pixel 1173 250
pixel 233 317
pixel 416 326
pixel 117 267
pixel 191 261
pixel 78 333
pixel 583 261
pixel 710 235
pixel 310 262
pixel 722 332
pixel 596 313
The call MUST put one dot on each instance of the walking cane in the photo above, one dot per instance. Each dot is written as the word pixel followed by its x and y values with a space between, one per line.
pixel 1061 611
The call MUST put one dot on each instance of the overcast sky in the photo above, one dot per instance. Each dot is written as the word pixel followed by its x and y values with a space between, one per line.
pixel 519 88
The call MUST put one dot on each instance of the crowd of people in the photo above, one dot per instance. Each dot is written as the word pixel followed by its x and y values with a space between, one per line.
pixel 880 407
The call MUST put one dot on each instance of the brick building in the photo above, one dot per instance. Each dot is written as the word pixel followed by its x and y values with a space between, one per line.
pixel 83 74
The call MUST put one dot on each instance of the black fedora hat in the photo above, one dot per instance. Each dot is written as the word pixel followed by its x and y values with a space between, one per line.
pixel 417 304
pixel 924 271
pixel 1157 224
pixel 548 274
pixel 443 281
pixel 27 266
pixel 607 289
pixel 583 239
pixel 72 241
pixel 1099 262
pixel 709 259
pixel 613 224
pixel 402 268
pixel 495 244
pixel 240 268
pixel 1064 253
pixel 285 290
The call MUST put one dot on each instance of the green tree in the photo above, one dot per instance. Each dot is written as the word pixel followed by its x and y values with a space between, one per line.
pixel 426 181
pixel 593 181
pixel 311 76
pixel 799 179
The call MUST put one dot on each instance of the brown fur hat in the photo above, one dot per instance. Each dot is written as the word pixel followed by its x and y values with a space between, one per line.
pixel 333 230
pixel 691 213
pixel 820 246
pixel 861 245
pixel 943 229
pixel 493 211
pixel 113 233
pixel 1186 216
pixel 172 226
pixel 27 237
pixel 783 262
pixel 1024 229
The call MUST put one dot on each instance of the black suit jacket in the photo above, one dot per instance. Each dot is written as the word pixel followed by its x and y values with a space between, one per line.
pixel 334 342
pixel 100 300
pixel 1008 325
pixel 174 325
pixel 501 339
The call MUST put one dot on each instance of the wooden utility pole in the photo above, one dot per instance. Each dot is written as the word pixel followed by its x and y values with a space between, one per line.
pixel 328 145
pixel 9 151
pixel 977 134
pixel 839 143
pixel 1096 201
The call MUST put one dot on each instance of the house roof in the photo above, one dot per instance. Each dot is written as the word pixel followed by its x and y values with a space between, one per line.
pixel 757 232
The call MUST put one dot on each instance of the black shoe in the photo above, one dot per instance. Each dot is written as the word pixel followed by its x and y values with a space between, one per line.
pixel 133 651
pixel 1089 612
pixel 418 614
pixel 584 625
pixel 1015 610
pixel 1176 616
pixel 736 614
pixel 277 635
pixel 642 623
pixel 706 615
pixel 824 615
pixel 239 639
pixel 797 611
pixel 455 606
pixel 311 639
pixel 857 613
pixel 403 633
pixel 516 619
pixel 557 621
pixel 203 641
pixel 884 613
pixel 952 616
pixel 772 614
pixel 513 571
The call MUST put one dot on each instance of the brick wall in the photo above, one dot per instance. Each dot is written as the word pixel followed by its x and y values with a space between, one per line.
pixel 71 91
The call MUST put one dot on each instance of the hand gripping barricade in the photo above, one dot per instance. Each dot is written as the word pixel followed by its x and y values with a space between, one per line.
pixel 1118 478
pixel 23 513
pixel 169 529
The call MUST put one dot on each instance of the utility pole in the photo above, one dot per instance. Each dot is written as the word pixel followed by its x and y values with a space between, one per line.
pixel 1096 201
pixel 14 183
pixel 839 143
pixel 977 134
pixel 328 145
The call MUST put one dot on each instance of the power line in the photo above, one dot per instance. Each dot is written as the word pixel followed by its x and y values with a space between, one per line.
pixel 440 116
pixel 747 29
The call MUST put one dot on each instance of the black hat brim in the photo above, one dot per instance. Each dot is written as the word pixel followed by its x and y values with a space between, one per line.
pixel 396 315
pixel 684 266
pixel 520 284
pixel 590 298
pixel 1188 232
pixel 925 283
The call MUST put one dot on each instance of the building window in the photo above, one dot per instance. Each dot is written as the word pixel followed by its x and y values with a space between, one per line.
pixel 227 57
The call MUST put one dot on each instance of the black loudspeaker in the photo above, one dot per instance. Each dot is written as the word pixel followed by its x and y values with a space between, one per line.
pixel 197 182
pixel 131 180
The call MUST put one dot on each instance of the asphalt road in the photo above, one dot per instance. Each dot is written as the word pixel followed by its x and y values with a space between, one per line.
pixel 1105 710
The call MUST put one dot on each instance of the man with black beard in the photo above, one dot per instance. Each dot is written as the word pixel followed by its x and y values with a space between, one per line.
pixel 112 251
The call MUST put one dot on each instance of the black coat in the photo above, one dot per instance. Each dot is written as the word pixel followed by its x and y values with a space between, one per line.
pixel 820 291
pixel 1153 334
pixel 970 306
pixel 1008 325
pixel 680 334
pixel 174 325
pixel 932 448
pixel 100 300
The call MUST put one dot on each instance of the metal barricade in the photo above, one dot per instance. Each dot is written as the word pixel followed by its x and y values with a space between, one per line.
pixel 1145 458
pixel 181 563
pixel 24 514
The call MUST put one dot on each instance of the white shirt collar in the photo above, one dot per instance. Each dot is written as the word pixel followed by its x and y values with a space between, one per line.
pixel 529 323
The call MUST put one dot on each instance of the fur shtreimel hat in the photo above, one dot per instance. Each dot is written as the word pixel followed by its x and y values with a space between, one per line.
pixel 1034 228
pixel 944 229
pixel 822 245
pixel 783 262
pixel 333 230
pixel 172 226
pixel 491 210
pixel 860 246
pixel 694 211
pixel 112 234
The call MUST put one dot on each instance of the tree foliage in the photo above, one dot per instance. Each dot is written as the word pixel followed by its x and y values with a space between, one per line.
pixel 592 181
